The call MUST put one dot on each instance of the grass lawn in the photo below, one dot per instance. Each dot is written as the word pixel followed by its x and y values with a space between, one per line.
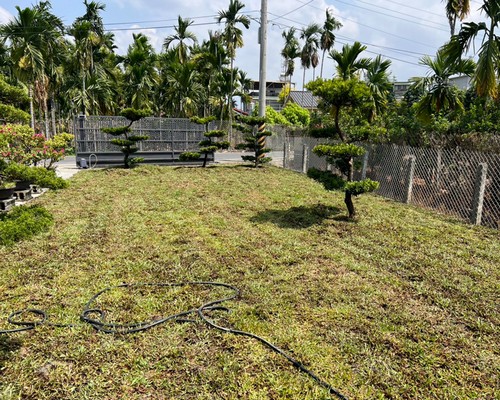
pixel 401 304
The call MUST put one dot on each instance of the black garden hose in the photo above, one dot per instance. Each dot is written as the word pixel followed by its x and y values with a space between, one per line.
pixel 98 323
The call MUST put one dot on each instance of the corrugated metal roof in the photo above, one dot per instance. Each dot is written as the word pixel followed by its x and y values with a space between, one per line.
pixel 304 99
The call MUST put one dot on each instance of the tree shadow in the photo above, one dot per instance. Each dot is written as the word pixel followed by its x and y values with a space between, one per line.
pixel 7 346
pixel 297 217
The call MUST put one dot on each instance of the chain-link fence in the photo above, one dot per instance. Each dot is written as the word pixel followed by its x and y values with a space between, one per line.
pixel 461 183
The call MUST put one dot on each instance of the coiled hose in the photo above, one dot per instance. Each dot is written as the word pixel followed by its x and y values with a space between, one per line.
pixel 98 323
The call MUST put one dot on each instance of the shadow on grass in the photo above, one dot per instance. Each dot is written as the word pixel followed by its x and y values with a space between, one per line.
pixel 7 346
pixel 298 217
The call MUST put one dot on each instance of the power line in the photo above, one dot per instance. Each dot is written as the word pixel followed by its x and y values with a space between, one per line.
pixel 295 9
pixel 391 16
pixel 372 28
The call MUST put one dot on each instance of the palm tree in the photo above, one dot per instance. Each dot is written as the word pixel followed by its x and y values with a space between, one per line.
pixel 140 74
pixel 181 36
pixel 309 53
pixel 233 37
pixel 488 57
pixel 184 90
pixel 35 37
pixel 327 38
pixel 211 59
pixel 439 94
pixel 456 9
pixel 379 84
pixel 290 52
pixel 348 63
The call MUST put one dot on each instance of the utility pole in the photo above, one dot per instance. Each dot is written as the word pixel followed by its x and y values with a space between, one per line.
pixel 263 57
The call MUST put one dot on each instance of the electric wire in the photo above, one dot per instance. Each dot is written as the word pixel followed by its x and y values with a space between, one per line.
pixel 95 317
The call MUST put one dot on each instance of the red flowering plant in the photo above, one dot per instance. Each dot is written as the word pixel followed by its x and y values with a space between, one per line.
pixel 20 144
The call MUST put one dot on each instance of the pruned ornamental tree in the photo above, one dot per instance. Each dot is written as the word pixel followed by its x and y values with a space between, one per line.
pixel 255 135
pixel 337 96
pixel 128 142
pixel 211 144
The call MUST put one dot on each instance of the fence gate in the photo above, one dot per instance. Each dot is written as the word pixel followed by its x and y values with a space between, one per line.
pixel 167 139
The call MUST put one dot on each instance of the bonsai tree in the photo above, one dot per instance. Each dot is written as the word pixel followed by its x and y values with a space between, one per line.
pixel 12 100
pixel 211 144
pixel 128 142
pixel 255 139
pixel 337 96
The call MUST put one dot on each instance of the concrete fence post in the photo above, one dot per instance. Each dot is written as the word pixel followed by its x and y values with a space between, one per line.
pixel 284 155
pixel 365 165
pixel 305 158
pixel 409 178
pixel 479 188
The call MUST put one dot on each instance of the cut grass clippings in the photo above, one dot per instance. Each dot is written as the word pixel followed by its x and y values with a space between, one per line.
pixel 400 304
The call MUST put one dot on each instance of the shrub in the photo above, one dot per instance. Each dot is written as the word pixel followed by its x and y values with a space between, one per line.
pixel 296 115
pixel 38 176
pixel 23 222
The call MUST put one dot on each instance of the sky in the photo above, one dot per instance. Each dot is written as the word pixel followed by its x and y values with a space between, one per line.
pixel 399 30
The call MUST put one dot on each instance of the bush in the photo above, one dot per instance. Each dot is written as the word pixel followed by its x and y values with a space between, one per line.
pixel 38 176
pixel 296 115
pixel 23 222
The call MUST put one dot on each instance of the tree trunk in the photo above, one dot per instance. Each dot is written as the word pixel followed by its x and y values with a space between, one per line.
pixel 53 116
pixel 230 102
pixel 32 110
pixel 322 61
pixel 46 117
pixel 303 84
pixel 350 205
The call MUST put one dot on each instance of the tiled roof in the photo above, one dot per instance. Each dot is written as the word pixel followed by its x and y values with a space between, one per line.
pixel 304 99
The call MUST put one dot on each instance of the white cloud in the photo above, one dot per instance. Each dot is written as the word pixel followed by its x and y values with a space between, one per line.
pixel 5 16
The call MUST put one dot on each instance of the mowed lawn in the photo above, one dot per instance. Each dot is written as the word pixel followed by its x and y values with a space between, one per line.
pixel 400 304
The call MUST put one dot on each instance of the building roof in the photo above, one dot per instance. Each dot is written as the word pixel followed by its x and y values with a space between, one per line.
pixel 304 99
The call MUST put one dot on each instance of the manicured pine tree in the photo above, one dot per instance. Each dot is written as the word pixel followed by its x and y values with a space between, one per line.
pixel 128 143
pixel 255 139
pixel 211 144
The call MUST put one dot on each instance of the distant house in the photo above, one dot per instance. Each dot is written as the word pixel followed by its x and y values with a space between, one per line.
pixel 463 82
pixel 273 90
pixel 400 89
pixel 304 99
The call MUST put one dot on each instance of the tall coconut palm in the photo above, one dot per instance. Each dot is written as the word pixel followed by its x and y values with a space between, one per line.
pixel 377 79
pixel 233 37
pixel 348 61
pixel 182 34
pixel 309 53
pixel 290 52
pixel 327 38
pixel 439 94
pixel 456 9
pixel 140 74
pixel 488 57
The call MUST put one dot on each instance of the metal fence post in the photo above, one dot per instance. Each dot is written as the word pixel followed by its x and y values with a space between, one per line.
pixel 305 158
pixel 409 178
pixel 479 188
pixel 365 165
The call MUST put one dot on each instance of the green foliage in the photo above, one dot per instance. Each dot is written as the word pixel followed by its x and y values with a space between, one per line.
pixel 327 179
pixel 133 114
pixel 128 142
pixel 189 156
pixel 117 131
pixel 35 175
pixel 359 187
pixel 204 120
pixel 11 114
pixel 12 100
pixel 341 150
pixel 296 115
pixel 273 117
pixel 322 132
pixel 254 140
pixel 23 222
pixel 215 134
